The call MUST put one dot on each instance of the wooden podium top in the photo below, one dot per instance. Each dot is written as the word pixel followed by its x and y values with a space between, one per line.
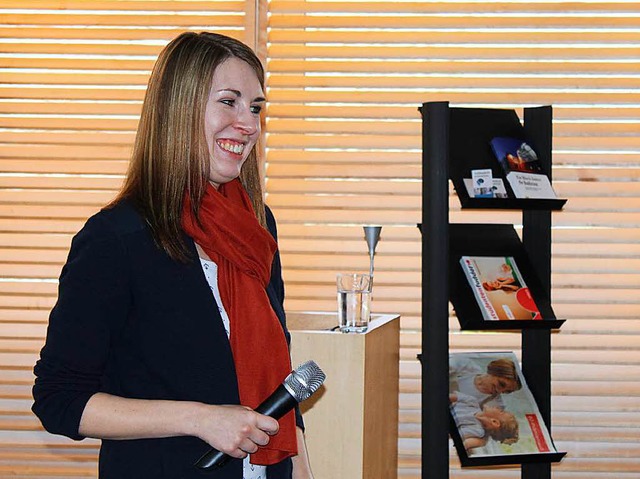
pixel 326 323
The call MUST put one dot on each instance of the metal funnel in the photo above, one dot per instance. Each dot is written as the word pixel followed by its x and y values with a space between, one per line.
pixel 372 236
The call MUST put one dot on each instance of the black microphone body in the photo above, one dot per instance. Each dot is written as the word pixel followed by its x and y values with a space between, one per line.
pixel 281 401
pixel 278 404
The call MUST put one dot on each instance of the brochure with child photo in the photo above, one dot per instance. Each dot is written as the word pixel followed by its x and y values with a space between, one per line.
pixel 522 168
pixel 494 412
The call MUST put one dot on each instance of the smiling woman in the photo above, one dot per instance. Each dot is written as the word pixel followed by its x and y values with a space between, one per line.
pixel 169 326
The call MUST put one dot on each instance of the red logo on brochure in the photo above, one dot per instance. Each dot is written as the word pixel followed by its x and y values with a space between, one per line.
pixel 523 295
pixel 538 437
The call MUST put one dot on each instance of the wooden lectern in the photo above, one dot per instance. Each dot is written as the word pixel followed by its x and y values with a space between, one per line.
pixel 352 420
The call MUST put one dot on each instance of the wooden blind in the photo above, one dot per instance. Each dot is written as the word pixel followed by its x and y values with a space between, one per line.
pixel 343 150
pixel 72 77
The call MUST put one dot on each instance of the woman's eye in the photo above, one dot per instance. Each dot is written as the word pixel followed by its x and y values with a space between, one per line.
pixel 227 101
pixel 256 109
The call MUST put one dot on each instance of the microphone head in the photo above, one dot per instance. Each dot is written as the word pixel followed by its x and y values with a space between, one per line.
pixel 305 380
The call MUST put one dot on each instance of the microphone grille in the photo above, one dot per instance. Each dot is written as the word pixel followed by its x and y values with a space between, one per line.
pixel 305 380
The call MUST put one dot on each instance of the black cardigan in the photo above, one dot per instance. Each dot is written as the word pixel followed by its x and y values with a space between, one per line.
pixel 132 322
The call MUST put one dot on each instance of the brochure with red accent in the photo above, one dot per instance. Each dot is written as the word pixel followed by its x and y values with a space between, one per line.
pixel 499 288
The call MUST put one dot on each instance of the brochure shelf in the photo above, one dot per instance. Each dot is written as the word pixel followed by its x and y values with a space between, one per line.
pixel 473 129
pixel 494 240
pixel 455 140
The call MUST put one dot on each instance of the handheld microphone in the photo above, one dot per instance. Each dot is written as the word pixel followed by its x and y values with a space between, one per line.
pixel 298 386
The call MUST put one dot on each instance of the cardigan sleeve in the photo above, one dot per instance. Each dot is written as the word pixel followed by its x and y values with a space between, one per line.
pixel 93 299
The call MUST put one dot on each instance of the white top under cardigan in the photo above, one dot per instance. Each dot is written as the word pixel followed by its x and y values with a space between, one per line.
pixel 250 471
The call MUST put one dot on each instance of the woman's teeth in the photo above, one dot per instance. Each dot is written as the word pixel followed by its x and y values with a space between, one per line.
pixel 236 148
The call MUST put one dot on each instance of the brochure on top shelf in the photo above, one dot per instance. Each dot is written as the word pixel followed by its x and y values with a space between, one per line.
pixel 499 288
pixel 494 412
pixel 482 183
pixel 522 168
pixel 530 185
pixel 497 189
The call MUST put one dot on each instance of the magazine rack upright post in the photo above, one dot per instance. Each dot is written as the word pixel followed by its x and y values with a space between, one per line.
pixel 435 298
pixel 536 237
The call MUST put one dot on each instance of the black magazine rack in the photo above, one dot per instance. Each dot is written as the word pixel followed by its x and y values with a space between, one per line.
pixel 454 141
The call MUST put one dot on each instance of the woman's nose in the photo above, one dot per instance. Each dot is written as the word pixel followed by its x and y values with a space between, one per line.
pixel 247 121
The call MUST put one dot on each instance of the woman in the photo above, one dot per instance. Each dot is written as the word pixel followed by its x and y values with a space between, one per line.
pixel 170 308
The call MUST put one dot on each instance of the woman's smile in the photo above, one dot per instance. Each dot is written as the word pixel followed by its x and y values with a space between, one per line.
pixel 231 146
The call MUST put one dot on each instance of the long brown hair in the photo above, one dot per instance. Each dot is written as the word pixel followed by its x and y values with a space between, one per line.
pixel 170 155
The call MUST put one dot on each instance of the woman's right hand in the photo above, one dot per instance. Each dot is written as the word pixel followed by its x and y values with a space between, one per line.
pixel 234 430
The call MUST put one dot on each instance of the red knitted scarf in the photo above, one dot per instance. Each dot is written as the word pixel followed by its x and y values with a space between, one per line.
pixel 232 237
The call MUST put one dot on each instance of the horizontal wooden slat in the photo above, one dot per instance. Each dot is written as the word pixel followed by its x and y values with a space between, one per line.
pixel 70 122
pixel 95 32
pixel 64 92
pixel 63 108
pixel 46 173
pixel 87 154
pixel 80 62
pixel 83 137
pixel 174 6
pixel 72 77
pixel 48 211
pixel 454 66
pixel 68 197
pixel 475 51
pixel 24 255
pixel 467 81
pixel 210 18
pixel 24 315
pixel 50 226
pixel 30 240
pixel 416 6
pixel 453 95
pixel 463 35
pixel 452 21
